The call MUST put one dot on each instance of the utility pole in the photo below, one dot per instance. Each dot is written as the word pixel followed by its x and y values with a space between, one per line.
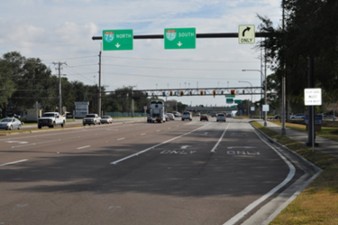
pixel 59 68
pixel 99 100
pixel 284 72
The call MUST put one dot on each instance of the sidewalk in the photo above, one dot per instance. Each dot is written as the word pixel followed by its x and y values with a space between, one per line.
pixel 324 145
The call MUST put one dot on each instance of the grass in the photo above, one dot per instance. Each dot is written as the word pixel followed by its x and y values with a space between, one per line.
pixel 318 203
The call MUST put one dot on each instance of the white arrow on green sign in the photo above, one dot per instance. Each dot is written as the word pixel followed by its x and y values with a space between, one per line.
pixel 117 40
pixel 179 38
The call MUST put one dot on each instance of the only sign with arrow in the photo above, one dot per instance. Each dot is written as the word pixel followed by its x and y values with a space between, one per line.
pixel 246 34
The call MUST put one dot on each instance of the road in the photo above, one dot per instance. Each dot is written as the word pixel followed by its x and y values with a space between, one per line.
pixel 138 173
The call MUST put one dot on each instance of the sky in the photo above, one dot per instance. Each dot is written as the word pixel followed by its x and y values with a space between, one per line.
pixel 62 31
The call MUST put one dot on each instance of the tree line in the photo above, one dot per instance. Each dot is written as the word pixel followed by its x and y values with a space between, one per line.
pixel 25 82
pixel 308 31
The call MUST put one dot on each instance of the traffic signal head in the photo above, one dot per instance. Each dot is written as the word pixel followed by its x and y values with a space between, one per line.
pixel 233 92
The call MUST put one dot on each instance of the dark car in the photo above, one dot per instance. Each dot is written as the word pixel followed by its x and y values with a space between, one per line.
pixel 204 117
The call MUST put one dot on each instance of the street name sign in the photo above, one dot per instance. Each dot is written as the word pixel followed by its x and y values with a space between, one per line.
pixel 117 40
pixel 312 96
pixel 246 34
pixel 179 38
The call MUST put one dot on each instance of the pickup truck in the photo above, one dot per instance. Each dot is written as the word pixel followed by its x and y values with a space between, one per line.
pixel 51 119
pixel 91 118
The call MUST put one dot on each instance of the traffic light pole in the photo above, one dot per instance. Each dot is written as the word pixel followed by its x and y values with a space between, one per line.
pixel 202 35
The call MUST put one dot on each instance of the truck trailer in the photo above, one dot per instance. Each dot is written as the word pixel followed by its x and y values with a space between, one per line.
pixel 156 112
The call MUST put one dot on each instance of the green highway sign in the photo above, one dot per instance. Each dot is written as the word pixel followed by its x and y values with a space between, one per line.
pixel 117 40
pixel 179 38
pixel 238 101
pixel 229 100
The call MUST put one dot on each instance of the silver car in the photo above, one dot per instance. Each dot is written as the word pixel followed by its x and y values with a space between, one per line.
pixel 10 123
pixel 220 117
pixel 106 119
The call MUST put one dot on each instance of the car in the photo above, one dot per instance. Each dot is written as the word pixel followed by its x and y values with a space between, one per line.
pixel 186 116
pixel 221 117
pixel 204 117
pixel 106 119
pixel 298 116
pixel 170 116
pixel 91 118
pixel 177 114
pixel 10 123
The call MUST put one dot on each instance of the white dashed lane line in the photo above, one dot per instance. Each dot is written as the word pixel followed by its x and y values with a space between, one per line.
pixel 14 162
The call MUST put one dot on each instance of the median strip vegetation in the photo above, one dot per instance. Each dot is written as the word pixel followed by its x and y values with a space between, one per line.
pixel 318 203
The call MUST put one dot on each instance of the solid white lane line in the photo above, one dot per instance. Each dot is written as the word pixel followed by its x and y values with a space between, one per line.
pixel 220 139
pixel 152 147
pixel 121 139
pixel 83 147
pixel 14 162
pixel 253 205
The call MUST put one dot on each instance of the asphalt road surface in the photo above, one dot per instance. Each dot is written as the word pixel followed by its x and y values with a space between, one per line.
pixel 178 172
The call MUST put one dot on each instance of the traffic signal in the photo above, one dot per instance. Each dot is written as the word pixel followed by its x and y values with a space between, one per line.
pixel 181 93
pixel 214 93
pixel 201 92
pixel 233 92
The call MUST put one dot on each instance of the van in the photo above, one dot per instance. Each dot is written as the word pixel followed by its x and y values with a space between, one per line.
pixel 186 116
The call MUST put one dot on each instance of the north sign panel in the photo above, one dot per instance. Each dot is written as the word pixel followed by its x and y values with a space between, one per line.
pixel 117 40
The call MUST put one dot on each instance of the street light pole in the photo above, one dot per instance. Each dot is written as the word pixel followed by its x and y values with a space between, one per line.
pixel 265 90
pixel 240 81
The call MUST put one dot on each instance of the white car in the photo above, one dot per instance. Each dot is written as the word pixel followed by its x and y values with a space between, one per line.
pixel 10 123
pixel 220 117
pixel 106 119
pixel 90 119
pixel 186 116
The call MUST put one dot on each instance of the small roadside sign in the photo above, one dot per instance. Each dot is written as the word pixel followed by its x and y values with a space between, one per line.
pixel 246 34
pixel 117 40
pixel 179 38
pixel 312 96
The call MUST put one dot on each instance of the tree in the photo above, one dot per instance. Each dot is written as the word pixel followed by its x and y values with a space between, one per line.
pixel 7 86
pixel 309 32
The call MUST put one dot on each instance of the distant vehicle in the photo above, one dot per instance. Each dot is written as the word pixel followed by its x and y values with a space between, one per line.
pixel 204 117
pixel 298 116
pixel 106 119
pixel 10 123
pixel 186 116
pixel 177 114
pixel 220 117
pixel 51 119
pixel 91 119
pixel 155 112
pixel 170 116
